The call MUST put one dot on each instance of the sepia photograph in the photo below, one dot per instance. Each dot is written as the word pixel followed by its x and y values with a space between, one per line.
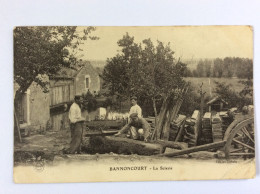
pixel 133 103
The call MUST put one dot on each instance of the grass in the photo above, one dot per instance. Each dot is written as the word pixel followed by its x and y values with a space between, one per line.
pixel 209 83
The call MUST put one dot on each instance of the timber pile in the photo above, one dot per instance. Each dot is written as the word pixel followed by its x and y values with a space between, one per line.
pixel 151 121
pixel 176 127
pixel 191 129
pixel 169 111
pixel 206 132
pixel 217 132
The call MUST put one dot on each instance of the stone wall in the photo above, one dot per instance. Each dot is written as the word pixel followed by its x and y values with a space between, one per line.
pixel 37 107
pixel 94 81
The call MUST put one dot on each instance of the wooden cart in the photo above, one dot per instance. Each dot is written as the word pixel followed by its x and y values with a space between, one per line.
pixel 238 141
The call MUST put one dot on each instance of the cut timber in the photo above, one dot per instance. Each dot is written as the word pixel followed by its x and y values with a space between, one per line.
pixel 121 146
pixel 196 149
pixel 172 113
pixel 191 129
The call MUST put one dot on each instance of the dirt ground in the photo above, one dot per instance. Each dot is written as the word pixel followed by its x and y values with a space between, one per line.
pixel 48 147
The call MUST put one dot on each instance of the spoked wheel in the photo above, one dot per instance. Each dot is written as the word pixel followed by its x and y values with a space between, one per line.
pixel 240 142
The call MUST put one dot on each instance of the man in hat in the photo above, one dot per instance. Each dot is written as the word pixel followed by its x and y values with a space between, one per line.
pixel 76 126
pixel 135 107
pixel 139 128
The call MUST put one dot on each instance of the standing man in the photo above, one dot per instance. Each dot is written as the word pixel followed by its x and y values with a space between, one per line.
pixel 139 128
pixel 135 107
pixel 76 126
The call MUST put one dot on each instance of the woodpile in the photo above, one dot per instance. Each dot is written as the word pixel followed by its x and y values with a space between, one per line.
pixel 206 131
pixel 176 128
pixel 217 132
pixel 169 111
pixel 191 129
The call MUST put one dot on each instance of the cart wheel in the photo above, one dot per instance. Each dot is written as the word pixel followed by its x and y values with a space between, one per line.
pixel 240 139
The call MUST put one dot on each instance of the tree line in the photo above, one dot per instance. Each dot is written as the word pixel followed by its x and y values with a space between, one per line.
pixel 227 67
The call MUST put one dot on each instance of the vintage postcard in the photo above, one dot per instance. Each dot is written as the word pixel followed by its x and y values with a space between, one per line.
pixel 153 103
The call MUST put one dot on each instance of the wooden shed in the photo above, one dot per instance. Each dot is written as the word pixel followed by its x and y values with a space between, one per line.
pixel 217 104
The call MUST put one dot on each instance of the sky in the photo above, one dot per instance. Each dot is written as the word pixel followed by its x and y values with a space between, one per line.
pixel 186 41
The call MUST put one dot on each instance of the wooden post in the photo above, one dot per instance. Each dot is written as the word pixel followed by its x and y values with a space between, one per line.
pixel 202 94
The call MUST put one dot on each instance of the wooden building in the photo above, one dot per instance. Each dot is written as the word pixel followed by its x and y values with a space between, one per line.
pixel 38 110
pixel 217 104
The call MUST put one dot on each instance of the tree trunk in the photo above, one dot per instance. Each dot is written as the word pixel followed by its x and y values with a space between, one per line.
pixel 121 146
pixel 156 116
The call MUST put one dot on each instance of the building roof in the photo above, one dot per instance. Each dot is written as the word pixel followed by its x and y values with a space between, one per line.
pixel 216 99
pixel 71 73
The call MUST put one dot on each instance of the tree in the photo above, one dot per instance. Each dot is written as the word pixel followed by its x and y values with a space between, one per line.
pixel 145 70
pixel 195 73
pixel 201 69
pixel 244 68
pixel 188 73
pixel 40 51
pixel 218 67
pixel 233 98
pixel 228 67
pixel 207 67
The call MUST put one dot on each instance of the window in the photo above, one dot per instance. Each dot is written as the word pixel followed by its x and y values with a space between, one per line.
pixel 87 81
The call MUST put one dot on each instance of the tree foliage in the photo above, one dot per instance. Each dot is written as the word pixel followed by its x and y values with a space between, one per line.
pixel 42 51
pixel 146 70
pixel 227 67
pixel 233 98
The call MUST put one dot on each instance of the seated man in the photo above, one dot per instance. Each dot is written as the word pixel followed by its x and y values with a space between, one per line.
pixel 139 128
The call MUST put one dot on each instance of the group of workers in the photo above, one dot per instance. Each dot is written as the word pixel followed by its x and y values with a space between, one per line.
pixel 137 127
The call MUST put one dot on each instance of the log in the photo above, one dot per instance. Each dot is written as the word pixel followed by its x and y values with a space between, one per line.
pixel 205 147
pixel 100 133
pixel 121 145
pixel 173 111
pixel 161 118
pixel 180 132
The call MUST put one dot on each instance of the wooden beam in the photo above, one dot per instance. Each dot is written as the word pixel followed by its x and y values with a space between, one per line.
pixel 241 143
pixel 196 149
pixel 244 130
pixel 180 132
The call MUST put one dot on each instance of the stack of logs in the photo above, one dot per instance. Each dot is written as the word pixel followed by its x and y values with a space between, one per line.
pixel 192 129
pixel 177 127
pixel 206 132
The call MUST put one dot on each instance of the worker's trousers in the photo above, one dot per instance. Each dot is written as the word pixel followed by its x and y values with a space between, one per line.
pixel 136 133
pixel 76 137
